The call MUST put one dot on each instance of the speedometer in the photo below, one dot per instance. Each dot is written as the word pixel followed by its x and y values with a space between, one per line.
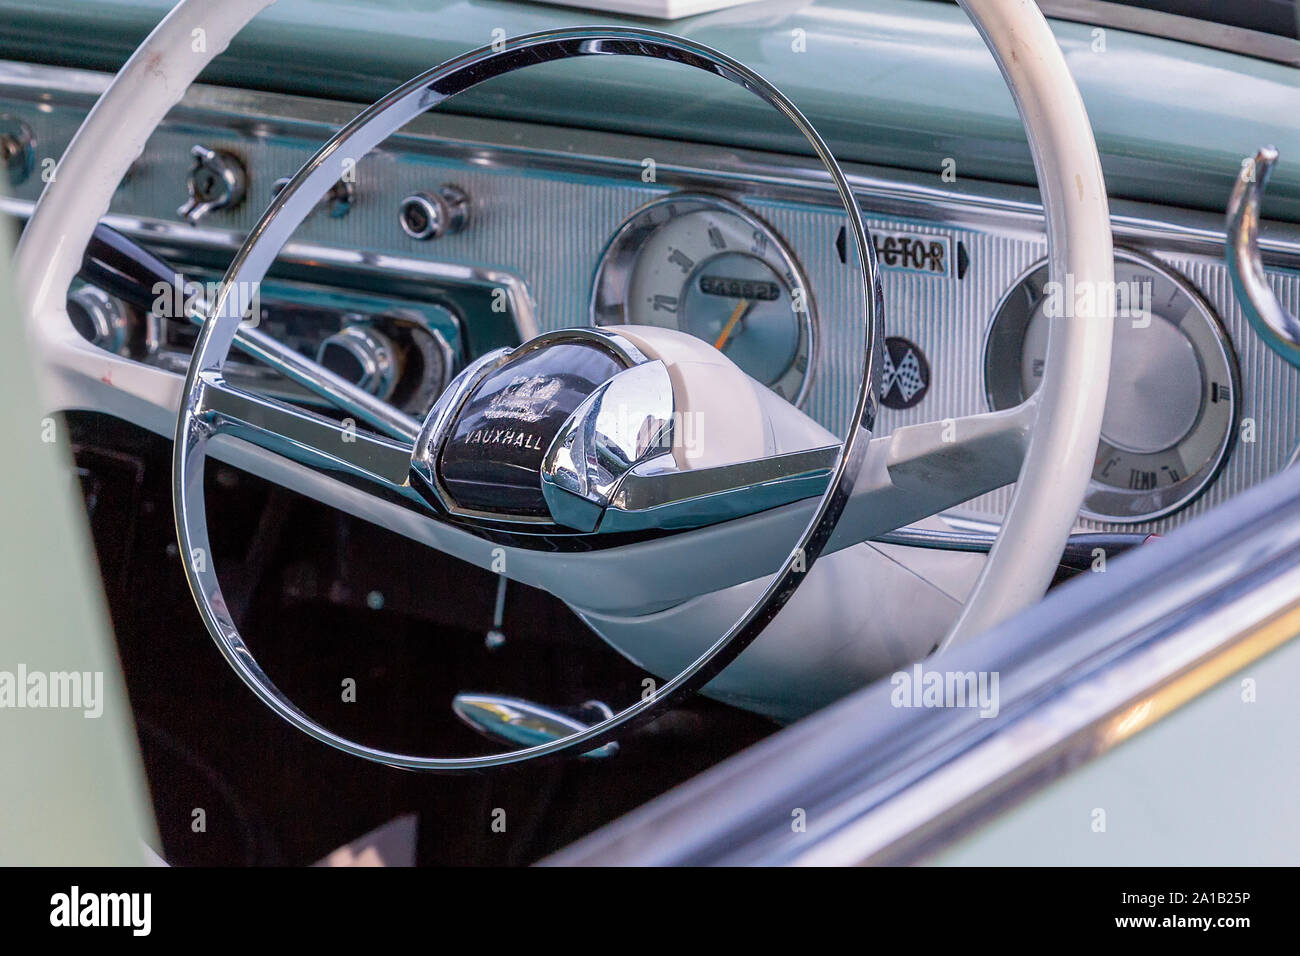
pixel 711 268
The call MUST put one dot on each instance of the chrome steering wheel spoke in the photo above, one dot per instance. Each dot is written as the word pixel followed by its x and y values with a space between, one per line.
pixel 304 436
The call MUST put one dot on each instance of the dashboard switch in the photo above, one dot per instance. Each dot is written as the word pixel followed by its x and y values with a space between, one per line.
pixel 362 355
pixel 17 148
pixel 99 318
pixel 434 215
pixel 217 181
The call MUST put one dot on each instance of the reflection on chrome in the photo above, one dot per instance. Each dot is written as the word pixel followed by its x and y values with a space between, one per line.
pixel 1270 318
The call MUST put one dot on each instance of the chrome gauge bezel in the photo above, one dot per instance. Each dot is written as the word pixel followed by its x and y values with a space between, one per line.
pixel 618 260
pixel 1003 388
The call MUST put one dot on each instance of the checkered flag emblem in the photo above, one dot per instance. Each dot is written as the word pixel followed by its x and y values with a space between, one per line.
pixel 906 376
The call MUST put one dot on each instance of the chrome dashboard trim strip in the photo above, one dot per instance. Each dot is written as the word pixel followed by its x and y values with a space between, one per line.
pixel 299 253
pixel 486 142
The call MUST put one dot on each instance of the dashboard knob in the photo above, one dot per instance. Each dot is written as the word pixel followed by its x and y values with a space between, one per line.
pixel 364 356
pixel 217 181
pixel 434 215
pixel 17 148
pixel 338 200
pixel 99 318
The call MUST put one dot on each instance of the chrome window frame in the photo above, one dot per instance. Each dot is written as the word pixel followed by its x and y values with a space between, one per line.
pixel 1173 26
pixel 1099 660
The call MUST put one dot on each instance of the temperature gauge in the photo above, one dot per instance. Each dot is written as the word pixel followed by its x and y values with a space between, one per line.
pixel 1172 404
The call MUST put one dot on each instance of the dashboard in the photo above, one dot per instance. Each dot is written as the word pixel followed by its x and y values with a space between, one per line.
pixel 463 234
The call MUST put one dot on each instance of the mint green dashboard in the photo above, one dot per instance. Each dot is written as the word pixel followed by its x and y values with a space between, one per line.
pixel 899 83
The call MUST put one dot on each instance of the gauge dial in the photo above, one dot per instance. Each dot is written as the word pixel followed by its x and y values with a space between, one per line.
pixel 711 268
pixel 1171 408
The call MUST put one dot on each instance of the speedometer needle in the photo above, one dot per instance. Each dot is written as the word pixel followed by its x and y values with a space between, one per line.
pixel 741 308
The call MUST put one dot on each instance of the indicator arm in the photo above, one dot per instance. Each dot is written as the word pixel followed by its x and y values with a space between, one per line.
pixel 737 314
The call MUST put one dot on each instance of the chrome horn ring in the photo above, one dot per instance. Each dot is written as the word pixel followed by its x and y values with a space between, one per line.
pixel 198 423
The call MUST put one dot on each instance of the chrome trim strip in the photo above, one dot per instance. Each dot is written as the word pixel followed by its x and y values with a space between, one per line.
pixel 980 541
pixel 302 435
pixel 487 142
pixel 1099 660
pixel 1172 26
pixel 307 254
pixel 1080 723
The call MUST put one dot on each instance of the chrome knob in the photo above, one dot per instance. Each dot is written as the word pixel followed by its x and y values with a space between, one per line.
pixel 217 181
pixel 338 200
pixel 17 148
pixel 99 318
pixel 364 356
pixel 434 215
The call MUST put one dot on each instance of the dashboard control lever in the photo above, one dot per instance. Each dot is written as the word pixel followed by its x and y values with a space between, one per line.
pixel 1274 323
pixel 526 724
pixel 124 269
pixel 217 181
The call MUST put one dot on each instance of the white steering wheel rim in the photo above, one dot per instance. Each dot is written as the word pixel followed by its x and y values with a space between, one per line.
pixel 1058 459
